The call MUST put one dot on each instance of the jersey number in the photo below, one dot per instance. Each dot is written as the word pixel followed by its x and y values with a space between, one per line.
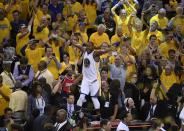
pixel 86 62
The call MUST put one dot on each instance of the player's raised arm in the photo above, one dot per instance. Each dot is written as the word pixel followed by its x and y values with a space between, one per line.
pixel 77 45
pixel 103 51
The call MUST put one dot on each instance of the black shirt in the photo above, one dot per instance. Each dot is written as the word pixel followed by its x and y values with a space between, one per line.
pixel 107 105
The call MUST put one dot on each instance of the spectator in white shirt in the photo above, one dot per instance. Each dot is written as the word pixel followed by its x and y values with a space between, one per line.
pixel 43 72
pixel 8 78
pixel 123 125
pixel 19 102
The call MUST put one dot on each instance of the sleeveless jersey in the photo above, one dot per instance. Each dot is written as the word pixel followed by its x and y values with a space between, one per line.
pixel 90 71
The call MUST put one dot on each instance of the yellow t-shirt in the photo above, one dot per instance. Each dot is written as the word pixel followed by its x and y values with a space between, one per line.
pixel 76 7
pixel 90 10
pixel 36 23
pixel 1 5
pixel 56 48
pixel 128 9
pixel 34 57
pixel 71 22
pixel 64 66
pixel 99 39
pixel 73 54
pixel 138 41
pixel 173 4
pixel 104 56
pixel 14 7
pixel 40 14
pixel 158 34
pixel 182 63
pixel 25 9
pixel 112 59
pixel 84 36
pixel 77 28
pixel 123 22
pixel 3 103
pixel 169 80
pixel 116 39
pixel 131 68
pixel 21 42
pixel 162 22
pixel 4 29
pixel 52 67
pixel 178 21
pixel 66 11
pixel 182 59
pixel 43 35
pixel 62 25
pixel 165 47
pixel 182 77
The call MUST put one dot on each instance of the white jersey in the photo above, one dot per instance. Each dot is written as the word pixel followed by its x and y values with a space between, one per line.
pixel 89 70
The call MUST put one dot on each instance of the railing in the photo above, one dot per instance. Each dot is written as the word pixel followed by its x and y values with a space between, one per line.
pixel 135 125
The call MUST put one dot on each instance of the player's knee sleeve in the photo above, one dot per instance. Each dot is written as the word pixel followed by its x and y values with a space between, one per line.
pixel 81 100
pixel 96 102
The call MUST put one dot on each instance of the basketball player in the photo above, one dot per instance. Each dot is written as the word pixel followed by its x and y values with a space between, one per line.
pixel 90 84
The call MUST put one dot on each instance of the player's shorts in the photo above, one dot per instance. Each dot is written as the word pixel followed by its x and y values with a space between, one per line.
pixel 91 88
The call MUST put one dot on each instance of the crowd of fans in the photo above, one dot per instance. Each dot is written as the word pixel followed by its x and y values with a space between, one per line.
pixel 47 79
